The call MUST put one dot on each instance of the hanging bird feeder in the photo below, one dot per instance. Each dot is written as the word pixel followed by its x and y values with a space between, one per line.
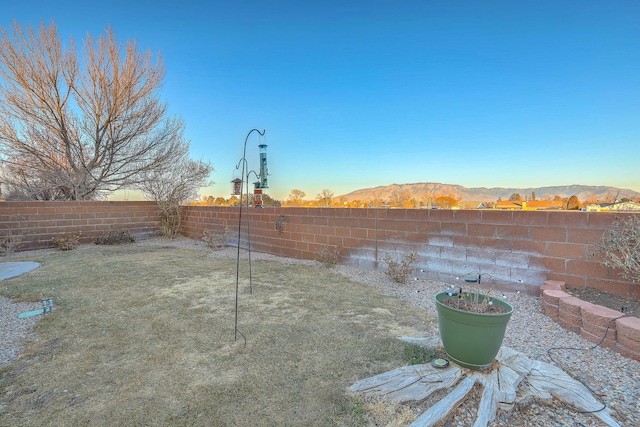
pixel 237 187
pixel 264 171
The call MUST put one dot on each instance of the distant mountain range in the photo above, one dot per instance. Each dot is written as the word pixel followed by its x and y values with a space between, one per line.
pixel 425 190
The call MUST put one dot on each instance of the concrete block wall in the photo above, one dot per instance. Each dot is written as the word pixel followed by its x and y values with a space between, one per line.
pixel 520 248
pixel 38 222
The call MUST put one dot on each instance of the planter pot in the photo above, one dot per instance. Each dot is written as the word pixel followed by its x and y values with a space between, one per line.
pixel 471 340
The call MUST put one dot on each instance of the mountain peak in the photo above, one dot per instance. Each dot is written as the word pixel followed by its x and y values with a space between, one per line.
pixel 431 190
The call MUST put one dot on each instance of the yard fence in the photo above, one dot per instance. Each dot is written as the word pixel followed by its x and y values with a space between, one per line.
pixel 520 249
pixel 38 222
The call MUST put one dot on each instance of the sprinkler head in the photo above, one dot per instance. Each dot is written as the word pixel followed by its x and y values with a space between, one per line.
pixel 440 363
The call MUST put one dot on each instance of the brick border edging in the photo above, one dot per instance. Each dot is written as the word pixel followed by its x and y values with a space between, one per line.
pixel 591 320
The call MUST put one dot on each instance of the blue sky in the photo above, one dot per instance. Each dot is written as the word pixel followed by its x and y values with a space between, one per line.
pixel 356 94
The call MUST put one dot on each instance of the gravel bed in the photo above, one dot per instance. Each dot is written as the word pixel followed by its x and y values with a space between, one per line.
pixel 14 330
pixel 609 374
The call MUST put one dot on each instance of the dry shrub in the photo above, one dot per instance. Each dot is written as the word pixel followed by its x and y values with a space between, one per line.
pixel 330 255
pixel 170 219
pixel 10 242
pixel 113 237
pixel 216 240
pixel 66 242
pixel 620 247
pixel 401 270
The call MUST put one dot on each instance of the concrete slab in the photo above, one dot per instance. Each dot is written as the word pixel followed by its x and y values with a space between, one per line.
pixel 12 269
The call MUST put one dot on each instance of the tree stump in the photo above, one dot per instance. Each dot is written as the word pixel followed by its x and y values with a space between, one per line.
pixel 512 380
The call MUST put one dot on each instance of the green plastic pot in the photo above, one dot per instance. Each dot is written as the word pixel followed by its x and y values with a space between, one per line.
pixel 472 340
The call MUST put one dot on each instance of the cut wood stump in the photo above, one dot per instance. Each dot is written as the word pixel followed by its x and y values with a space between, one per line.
pixel 514 379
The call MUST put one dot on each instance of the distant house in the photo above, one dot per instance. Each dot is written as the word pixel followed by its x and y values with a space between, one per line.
pixel 508 205
pixel 613 207
pixel 539 205
pixel 486 205
pixel 530 205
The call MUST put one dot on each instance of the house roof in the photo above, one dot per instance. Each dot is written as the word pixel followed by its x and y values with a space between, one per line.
pixel 508 204
pixel 542 204
pixel 530 204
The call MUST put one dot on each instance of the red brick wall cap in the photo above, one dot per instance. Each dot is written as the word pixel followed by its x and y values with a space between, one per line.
pixel 559 283
pixel 573 305
pixel 550 288
pixel 629 327
pixel 553 296
pixel 599 315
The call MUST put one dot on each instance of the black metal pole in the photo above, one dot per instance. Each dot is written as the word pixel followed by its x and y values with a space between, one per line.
pixel 244 175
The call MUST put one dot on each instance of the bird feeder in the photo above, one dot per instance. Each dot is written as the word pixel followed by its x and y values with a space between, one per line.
pixel 237 187
pixel 264 183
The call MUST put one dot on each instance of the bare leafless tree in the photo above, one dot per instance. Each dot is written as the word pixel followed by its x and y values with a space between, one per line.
pixel 324 198
pixel 376 201
pixel 173 184
pixel 75 125
pixel 400 198
pixel 296 197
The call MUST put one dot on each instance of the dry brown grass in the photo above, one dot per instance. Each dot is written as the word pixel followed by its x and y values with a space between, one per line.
pixel 145 336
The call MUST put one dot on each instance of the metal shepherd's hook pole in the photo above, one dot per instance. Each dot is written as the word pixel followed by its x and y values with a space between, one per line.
pixel 245 176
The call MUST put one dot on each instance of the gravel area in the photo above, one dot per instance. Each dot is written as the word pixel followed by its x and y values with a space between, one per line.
pixel 14 330
pixel 613 377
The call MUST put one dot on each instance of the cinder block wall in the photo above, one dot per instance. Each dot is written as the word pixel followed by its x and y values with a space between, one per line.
pixel 38 222
pixel 522 249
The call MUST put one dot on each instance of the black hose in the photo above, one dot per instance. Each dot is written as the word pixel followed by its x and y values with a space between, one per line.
pixel 604 405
